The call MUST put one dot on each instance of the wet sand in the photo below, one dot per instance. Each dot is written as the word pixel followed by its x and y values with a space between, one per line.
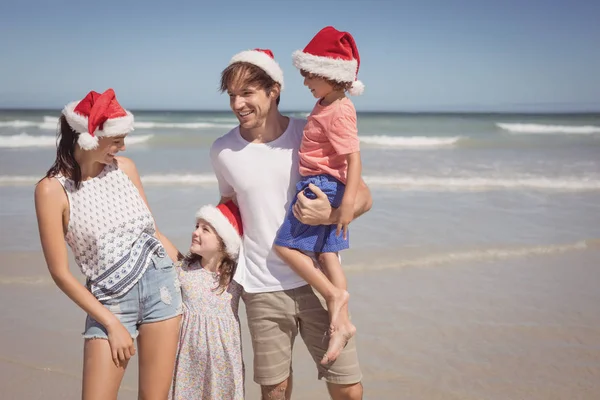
pixel 519 327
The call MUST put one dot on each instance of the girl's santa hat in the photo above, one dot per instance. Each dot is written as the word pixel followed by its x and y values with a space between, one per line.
pixel 97 115
pixel 333 55
pixel 227 221
pixel 263 59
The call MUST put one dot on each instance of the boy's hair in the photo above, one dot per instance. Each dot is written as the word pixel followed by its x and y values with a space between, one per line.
pixel 249 74
pixel 342 86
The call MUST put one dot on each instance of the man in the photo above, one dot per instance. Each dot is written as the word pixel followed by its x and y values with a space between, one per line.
pixel 256 164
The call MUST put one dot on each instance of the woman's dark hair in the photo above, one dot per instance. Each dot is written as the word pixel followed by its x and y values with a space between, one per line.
pixel 65 164
pixel 225 270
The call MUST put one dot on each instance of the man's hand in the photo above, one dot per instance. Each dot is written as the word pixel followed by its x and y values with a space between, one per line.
pixel 313 211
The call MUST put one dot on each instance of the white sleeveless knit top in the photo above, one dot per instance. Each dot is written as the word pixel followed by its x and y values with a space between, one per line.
pixel 110 231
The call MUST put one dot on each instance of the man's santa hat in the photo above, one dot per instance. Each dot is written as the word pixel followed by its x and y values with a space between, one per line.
pixel 97 115
pixel 333 55
pixel 263 59
pixel 227 221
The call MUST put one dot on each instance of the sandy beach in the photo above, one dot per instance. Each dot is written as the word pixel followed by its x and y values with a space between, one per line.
pixel 513 327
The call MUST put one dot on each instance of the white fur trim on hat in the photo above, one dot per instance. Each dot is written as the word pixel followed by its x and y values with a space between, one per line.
pixel 76 121
pixel 225 230
pixel 112 127
pixel 357 88
pixel 331 68
pixel 87 141
pixel 117 126
pixel 263 61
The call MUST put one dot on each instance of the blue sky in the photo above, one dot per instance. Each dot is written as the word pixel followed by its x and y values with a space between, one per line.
pixel 415 55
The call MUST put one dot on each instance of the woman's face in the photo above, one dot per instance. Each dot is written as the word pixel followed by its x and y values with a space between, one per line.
pixel 108 147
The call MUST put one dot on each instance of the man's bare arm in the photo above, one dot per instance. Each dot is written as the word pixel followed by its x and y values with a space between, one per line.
pixel 320 212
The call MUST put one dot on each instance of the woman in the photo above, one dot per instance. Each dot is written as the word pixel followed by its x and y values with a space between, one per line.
pixel 94 201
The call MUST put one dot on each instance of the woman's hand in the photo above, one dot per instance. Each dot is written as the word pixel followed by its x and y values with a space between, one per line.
pixel 121 343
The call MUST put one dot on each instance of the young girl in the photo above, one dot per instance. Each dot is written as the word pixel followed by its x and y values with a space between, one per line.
pixel 94 201
pixel 209 359
pixel 329 159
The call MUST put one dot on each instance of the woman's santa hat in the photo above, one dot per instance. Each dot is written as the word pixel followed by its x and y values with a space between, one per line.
pixel 227 221
pixel 97 115
pixel 333 55
pixel 263 59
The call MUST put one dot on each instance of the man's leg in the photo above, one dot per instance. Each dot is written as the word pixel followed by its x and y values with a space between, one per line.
pixel 342 376
pixel 345 392
pixel 273 327
pixel 283 391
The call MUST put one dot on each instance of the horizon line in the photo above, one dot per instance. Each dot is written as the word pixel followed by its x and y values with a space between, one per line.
pixel 283 111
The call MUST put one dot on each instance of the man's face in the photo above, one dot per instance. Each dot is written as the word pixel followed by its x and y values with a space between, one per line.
pixel 250 104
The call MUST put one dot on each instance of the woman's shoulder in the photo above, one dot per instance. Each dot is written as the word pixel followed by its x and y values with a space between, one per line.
pixel 49 187
pixel 49 191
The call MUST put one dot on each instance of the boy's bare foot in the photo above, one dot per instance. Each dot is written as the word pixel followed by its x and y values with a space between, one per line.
pixel 338 338
pixel 335 305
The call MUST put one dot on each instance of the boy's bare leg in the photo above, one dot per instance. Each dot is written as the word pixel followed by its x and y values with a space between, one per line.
pixel 342 330
pixel 303 265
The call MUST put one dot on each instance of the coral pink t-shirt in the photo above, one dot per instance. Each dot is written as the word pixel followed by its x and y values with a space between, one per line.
pixel 329 136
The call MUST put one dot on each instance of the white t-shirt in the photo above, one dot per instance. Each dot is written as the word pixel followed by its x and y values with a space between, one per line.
pixel 263 177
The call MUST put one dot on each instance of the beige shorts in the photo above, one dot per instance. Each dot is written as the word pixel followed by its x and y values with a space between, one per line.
pixel 274 321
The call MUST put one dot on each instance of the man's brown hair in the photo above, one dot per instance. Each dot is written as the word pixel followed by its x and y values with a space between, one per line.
pixel 249 74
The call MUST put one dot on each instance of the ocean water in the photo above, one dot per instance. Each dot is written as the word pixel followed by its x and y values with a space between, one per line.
pixel 441 182
pixel 474 276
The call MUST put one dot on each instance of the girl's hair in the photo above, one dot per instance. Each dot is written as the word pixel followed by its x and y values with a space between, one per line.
pixel 247 74
pixel 341 86
pixel 65 163
pixel 225 270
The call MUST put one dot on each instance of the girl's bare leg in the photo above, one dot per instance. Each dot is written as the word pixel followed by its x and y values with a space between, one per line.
pixel 157 348
pixel 101 377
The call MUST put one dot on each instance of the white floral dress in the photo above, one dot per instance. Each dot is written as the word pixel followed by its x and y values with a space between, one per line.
pixel 209 357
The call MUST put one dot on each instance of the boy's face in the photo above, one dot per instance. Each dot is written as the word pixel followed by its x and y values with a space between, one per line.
pixel 250 103
pixel 318 86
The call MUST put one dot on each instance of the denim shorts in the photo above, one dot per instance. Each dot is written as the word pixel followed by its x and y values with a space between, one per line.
pixel 316 238
pixel 155 297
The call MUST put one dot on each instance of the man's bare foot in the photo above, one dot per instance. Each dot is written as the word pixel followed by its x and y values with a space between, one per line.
pixel 335 305
pixel 338 338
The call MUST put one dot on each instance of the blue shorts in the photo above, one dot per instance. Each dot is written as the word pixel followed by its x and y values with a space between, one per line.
pixel 320 238
pixel 155 297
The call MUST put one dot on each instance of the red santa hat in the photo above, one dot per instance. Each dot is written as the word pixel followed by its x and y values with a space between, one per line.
pixel 263 59
pixel 97 115
pixel 333 55
pixel 227 221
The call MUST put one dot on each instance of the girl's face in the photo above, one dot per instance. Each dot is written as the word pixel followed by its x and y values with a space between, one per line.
pixel 318 86
pixel 205 241
pixel 108 147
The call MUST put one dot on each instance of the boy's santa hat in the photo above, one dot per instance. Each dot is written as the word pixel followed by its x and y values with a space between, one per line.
pixel 97 115
pixel 263 59
pixel 227 221
pixel 333 55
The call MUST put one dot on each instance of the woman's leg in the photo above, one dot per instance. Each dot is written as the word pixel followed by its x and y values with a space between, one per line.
pixel 157 348
pixel 101 377
pixel 343 329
